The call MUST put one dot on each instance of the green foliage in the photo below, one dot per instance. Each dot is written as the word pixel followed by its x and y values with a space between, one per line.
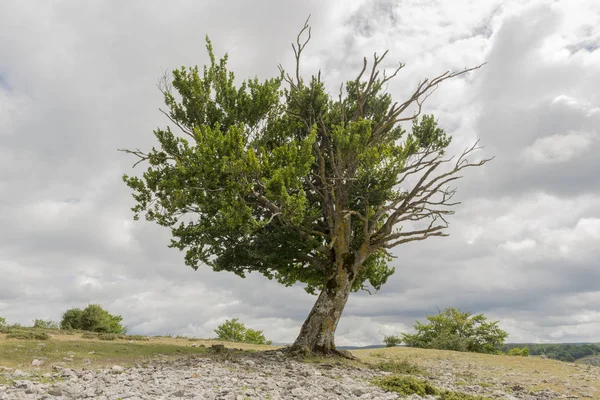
pixel 519 352
pixel 108 336
pixel 400 367
pixel 406 385
pixel 2 322
pixel 558 351
pixel 392 341
pixel 458 331
pixel 231 331
pixel 42 324
pixel 449 395
pixel 28 335
pixel 140 338
pixel 234 331
pixel 94 319
pixel 71 319
pixel 89 335
pixel 409 385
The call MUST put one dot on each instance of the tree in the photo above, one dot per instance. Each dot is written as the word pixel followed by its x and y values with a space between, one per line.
pixel 231 331
pixel 392 341
pixel 454 330
pixel 277 177
pixel 234 331
pixel 92 318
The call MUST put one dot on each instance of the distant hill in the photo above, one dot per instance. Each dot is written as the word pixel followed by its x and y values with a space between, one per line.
pixel 569 352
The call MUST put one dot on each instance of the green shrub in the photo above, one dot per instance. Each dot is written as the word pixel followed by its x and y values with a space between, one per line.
pixel 234 331
pixel 519 352
pixel 406 385
pixel 94 319
pixel 42 324
pixel 392 341
pixel 89 335
pixel 256 337
pixel 139 337
pixel 400 367
pixel 28 335
pixel 448 395
pixel 2 322
pixel 459 331
pixel 107 336
pixel 71 319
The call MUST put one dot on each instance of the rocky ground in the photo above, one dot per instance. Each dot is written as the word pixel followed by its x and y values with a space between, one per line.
pixel 221 376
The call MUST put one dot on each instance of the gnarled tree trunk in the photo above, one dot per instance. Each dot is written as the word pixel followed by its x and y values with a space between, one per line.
pixel 317 333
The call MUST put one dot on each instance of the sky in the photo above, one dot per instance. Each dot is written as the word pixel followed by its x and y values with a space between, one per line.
pixel 78 81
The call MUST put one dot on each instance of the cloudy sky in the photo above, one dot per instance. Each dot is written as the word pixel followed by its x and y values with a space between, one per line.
pixel 78 80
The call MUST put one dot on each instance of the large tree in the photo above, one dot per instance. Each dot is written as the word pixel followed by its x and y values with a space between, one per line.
pixel 280 178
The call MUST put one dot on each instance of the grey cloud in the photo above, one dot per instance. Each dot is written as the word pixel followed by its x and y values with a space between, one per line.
pixel 81 84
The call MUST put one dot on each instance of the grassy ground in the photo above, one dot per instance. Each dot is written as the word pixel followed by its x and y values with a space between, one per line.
pixel 498 372
pixel 504 372
pixel 74 351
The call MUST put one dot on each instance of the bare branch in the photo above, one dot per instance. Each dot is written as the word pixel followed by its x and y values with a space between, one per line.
pixel 423 89
pixel 184 130
pixel 301 46
pixel 138 153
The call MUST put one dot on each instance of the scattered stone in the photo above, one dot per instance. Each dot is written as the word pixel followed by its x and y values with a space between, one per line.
pixel 117 369
pixel 37 363
pixel 254 376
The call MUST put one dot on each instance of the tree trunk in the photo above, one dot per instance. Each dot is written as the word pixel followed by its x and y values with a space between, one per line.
pixel 317 333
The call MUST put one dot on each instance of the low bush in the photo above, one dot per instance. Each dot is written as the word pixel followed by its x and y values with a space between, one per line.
pixel 519 352
pixel 2 322
pixel 138 337
pixel 392 341
pixel 108 336
pixel 89 335
pixel 27 335
pixel 400 367
pixel 406 385
pixel 234 331
pixel 42 324
pixel 448 395
pixel 409 385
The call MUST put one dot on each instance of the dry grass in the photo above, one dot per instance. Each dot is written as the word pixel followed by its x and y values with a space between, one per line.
pixel 95 353
pixel 531 373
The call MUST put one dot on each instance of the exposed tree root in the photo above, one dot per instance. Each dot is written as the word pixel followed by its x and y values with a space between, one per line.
pixel 304 351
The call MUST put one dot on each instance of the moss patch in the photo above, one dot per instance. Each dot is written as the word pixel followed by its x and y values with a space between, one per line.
pixel 400 367
pixel 406 385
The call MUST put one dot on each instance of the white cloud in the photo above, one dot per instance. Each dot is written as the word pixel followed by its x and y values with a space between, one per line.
pixel 558 148
pixel 515 246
